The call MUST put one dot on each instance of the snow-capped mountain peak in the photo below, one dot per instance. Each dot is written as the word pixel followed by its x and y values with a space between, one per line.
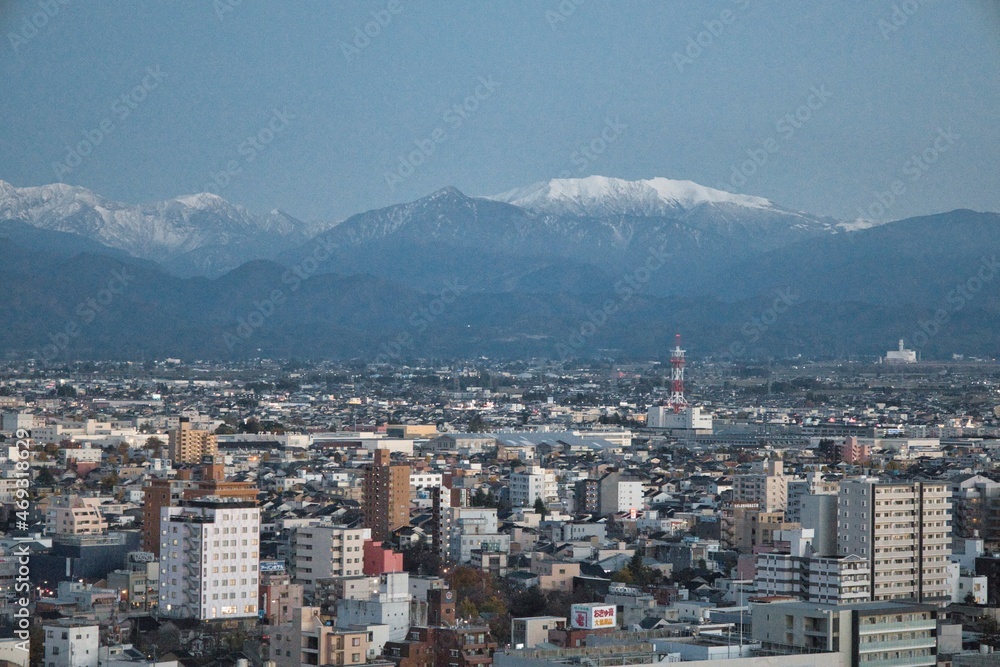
pixel 196 233
pixel 602 196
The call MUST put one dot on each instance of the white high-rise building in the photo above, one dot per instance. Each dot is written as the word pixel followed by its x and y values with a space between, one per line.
pixel 209 559
pixel 904 531
pixel 324 550
pixel 531 484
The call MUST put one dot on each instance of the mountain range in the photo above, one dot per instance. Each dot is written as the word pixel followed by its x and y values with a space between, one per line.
pixel 563 268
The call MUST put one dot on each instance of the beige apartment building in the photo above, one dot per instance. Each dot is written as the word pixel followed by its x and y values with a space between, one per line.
pixel 904 530
pixel 769 488
pixel 188 445
pixel 76 516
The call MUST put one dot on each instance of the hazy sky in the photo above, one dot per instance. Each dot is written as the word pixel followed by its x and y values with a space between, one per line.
pixel 291 105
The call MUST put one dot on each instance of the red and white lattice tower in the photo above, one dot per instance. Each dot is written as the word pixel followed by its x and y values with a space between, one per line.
pixel 677 400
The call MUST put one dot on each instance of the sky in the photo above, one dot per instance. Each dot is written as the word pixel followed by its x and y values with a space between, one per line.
pixel 882 109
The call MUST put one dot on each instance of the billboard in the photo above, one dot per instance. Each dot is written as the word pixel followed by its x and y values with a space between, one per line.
pixel 593 616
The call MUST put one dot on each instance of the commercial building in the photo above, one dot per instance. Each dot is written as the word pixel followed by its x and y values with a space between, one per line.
pixel 209 559
pixel 690 419
pixel 208 479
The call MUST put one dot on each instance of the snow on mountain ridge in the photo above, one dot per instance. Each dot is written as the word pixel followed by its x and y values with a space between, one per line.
pixel 601 196
pixel 198 229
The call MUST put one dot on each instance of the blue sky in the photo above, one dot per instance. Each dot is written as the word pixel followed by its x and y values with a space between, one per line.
pixel 291 105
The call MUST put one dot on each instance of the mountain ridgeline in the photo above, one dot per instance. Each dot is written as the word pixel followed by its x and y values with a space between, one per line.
pixel 562 269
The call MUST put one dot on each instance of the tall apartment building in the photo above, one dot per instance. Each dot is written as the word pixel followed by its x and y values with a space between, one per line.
pixel 904 530
pixel 386 496
pixel 769 488
pixel 976 501
pixel 189 445
pixel 209 559
pixel 533 483
pixel 190 483
pixel 325 550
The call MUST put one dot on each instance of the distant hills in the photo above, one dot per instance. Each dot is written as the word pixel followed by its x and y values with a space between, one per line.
pixel 565 268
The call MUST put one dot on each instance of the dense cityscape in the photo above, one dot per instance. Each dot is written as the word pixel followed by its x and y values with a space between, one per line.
pixel 534 333
pixel 528 514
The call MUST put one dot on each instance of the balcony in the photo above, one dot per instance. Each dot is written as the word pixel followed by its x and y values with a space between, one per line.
pixel 918 642
pixel 877 628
